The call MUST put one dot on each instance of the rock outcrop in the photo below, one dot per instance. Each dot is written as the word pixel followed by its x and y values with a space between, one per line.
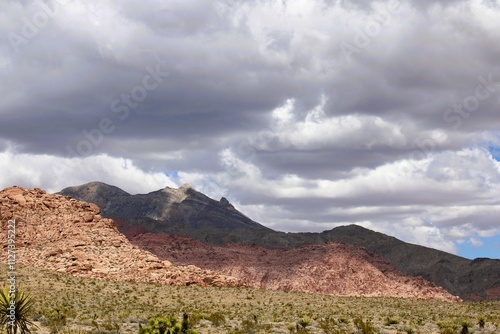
pixel 332 268
pixel 63 234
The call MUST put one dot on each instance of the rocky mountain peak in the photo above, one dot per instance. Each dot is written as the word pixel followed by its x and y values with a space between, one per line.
pixel 172 209
pixel 225 203
pixel 176 195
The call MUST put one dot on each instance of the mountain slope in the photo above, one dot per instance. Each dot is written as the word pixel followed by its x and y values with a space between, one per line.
pixel 63 234
pixel 470 279
pixel 333 268
pixel 183 211
pixel 186 212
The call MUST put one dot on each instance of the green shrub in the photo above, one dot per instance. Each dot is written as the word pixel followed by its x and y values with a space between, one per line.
pixel 297 329
pixel 327 324
pixel 167 325
pixel 481 322
pixel 252 326
pixel 364 327
pixel 217 319
pixel 447 328
pixel 247 327
pixel 54 319
pixel 465 328
pixel 330 326
pixel 14 312
pixel 304 322
pixel 390 321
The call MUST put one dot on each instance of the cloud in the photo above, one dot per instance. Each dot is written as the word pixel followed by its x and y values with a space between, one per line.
pixel 308 114
pixel 53 174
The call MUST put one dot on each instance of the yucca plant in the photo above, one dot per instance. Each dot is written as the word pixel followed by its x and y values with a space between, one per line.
pixel 365 327
pixel 14 316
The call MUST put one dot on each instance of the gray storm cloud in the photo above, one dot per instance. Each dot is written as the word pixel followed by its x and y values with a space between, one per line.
pixel 307 114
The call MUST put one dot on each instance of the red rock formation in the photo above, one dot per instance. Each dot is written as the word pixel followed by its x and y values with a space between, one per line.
pixel 60 233
pixel 333 268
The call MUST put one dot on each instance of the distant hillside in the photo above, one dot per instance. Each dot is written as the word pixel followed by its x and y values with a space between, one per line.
pixel 187 212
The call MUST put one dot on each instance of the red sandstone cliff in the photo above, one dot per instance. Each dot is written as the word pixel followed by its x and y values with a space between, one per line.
pixel 59 233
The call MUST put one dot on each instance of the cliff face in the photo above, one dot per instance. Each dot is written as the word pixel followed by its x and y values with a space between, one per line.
pixel 332 268
pixel 59 233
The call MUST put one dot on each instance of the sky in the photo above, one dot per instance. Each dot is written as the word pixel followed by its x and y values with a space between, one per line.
pixel 305 114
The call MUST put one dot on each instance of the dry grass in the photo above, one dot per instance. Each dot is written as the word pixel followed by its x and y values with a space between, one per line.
pixel 65 303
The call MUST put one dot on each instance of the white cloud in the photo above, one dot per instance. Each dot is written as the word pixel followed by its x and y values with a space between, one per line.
pixel 315 131
pixel 283 115
pixel 55 173
pixel 475 242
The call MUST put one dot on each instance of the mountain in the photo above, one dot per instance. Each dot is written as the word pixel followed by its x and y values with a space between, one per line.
pixel 470 279
pixel 332 268
pixel 62 234
pixel 187 212
pixel 182 211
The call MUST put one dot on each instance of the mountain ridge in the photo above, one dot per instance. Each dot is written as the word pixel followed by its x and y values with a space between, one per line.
pixel 60 233
pixel 214 222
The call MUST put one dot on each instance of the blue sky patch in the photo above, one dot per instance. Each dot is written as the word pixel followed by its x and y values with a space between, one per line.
pixel 495 152
pixel 490 248
pixel 172 174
